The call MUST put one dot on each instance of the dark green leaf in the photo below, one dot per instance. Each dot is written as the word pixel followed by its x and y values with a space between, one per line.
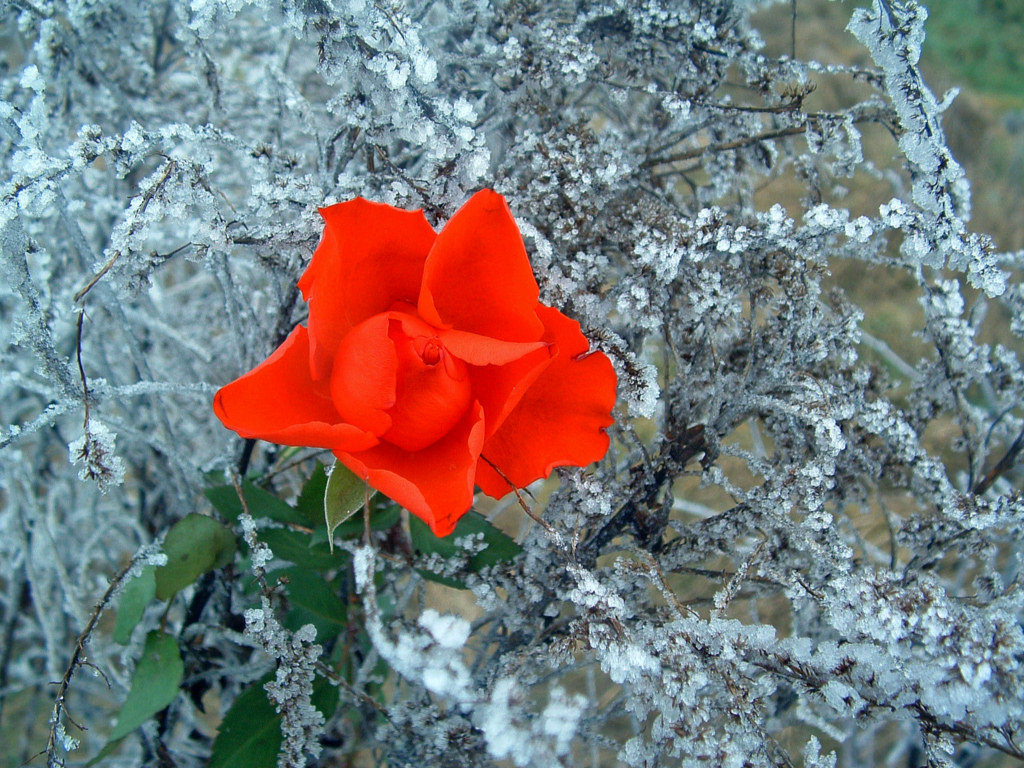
pixel 426 543
pixel 324 697
pixel 296 547
pixel 250 733
pixel 382 517
pixel 154 683
pixel 103 753
pixel 346 493
pixel 310 503
pixel 194 545
pixel 261 504
pixel 447 581
pixel 500 546
pixel 136 595
pixel 314 602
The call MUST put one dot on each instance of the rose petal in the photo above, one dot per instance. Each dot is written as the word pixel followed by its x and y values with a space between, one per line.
pixel 433 390
pixel 363 379
pixel 477 277
pixel 435 484
pixel 560 419
pixel 371 256
pixel 475 349
pixel 278 401
pixel 499 388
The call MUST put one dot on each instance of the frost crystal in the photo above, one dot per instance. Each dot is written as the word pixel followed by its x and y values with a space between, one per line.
pixel 94 451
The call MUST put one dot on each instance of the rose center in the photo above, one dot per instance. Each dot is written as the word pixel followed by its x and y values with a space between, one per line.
pixel 431 354
pixel 393 377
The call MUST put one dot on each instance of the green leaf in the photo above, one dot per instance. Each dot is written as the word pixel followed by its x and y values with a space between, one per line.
pixel 297 547
pixel 107 749
pixel 500 546
pixel 250 733
pixel 313 602
pixel 447 581
pixel 425 542
pixel 194 545
pixel 135 596
pixel 261 504
pixel 154 684
pixel 346 492
pixel 382 517
pixel 310 503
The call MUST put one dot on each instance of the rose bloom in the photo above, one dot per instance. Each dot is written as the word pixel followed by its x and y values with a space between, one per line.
pixel 428 364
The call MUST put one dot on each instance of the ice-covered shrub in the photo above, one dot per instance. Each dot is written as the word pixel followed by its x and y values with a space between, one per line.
pixel 802 549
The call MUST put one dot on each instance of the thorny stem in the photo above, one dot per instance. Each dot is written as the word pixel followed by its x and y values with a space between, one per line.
pixel 77 659
pixel 688 443
pixel 291 464
pixel 243 460
pixel 522 503
pixel 81 367
pixel 84 454
pixel 332 674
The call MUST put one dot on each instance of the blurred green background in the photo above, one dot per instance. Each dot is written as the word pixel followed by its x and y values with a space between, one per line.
pixel 981 41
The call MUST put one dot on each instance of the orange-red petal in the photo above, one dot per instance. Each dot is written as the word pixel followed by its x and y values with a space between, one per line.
pixel 363 380
pixel 279 401
pixel 499 388
pixel 561 418
pixel 435 484
pixel 477 277
pixel 475 349
pixel 433 388
pixel 370 257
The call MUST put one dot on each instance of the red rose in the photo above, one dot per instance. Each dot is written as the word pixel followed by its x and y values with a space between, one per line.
pixel 428 361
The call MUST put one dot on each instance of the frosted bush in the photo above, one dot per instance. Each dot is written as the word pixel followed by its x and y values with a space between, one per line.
pixel 803 547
